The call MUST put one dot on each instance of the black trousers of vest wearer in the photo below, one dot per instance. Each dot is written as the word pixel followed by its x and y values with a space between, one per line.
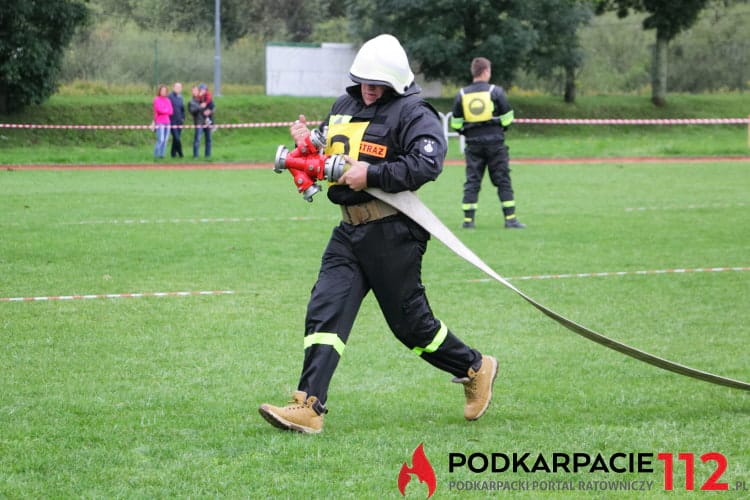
pixel 494 157
pixel 384 256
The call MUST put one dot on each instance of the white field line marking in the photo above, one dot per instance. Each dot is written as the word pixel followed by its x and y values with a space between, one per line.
pixel 482 280
pixel 115 296
pixel 689 207
pixel 619 273
pixel 201 220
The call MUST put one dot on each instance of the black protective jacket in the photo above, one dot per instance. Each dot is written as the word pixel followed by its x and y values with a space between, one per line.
pixel 403 141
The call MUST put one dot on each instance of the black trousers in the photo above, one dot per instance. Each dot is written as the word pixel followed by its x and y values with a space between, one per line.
pixel 176 142
pixel 491 156
pixel 384 256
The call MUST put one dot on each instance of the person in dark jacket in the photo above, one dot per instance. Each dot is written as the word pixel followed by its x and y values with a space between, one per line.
pixel 392 140
pixel 177 119
pixel 482 114
pixel 201 111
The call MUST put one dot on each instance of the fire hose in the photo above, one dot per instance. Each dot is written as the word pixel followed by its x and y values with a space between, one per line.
pixel 307 164
pixel 409 204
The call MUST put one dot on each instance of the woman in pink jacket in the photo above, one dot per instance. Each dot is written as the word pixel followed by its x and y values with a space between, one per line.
pixel 162 112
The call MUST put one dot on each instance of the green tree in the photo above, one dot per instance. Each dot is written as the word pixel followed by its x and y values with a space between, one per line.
pixel 557 23
pixel 33 37
pixel 290 20
pixel 668 18
pixel 717 41
pixel 192 16
pixel 443 36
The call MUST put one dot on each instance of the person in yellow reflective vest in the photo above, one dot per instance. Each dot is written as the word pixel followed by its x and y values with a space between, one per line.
pixel 482 114
pixel 393 140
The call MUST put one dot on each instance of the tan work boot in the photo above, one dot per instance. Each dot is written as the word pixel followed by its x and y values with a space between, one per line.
pixel 478 388
pixel 298 415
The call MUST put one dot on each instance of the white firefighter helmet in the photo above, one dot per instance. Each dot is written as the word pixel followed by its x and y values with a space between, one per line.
pixel 382 61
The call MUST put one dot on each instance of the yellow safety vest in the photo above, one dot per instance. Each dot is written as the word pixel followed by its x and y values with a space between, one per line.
pixel 477 106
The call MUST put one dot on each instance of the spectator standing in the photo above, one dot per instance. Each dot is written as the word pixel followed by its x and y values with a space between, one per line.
pixel 177 119
pixel 162 113
pixel 201 109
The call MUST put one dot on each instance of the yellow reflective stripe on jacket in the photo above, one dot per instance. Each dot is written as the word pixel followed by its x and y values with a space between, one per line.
pixel 338 119
pixel 457 123
pixel 507 118
pixel 325 339
pixel 436 341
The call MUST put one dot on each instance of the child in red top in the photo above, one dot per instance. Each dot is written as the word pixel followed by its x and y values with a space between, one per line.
pixel 205 98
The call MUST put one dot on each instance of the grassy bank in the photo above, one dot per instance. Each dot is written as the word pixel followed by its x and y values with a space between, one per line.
pixel 259 144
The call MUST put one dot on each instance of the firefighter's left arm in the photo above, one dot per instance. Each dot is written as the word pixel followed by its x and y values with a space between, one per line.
pixel 355 175
pixel 503 110
pixel 420 160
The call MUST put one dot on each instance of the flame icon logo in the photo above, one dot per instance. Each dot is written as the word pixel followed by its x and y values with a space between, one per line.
pixel 421 468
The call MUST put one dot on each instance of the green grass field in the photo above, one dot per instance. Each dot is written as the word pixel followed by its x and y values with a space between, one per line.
pixel 156 397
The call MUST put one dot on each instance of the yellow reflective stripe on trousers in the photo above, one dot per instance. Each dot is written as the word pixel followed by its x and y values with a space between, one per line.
pixel 330 339
pixel 436 341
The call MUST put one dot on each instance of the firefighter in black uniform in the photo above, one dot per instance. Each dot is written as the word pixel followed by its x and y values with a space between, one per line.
pixel 392 140
pixel 481 113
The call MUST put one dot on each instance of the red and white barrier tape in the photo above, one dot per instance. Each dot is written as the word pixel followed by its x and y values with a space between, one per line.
pixel 636 121
pixel 542 121
pixel 141 127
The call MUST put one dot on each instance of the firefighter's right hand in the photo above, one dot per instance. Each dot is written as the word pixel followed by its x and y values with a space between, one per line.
pixel 299 131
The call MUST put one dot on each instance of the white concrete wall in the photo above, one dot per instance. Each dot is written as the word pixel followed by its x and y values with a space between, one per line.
pixel 314 70
pixel 306 70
